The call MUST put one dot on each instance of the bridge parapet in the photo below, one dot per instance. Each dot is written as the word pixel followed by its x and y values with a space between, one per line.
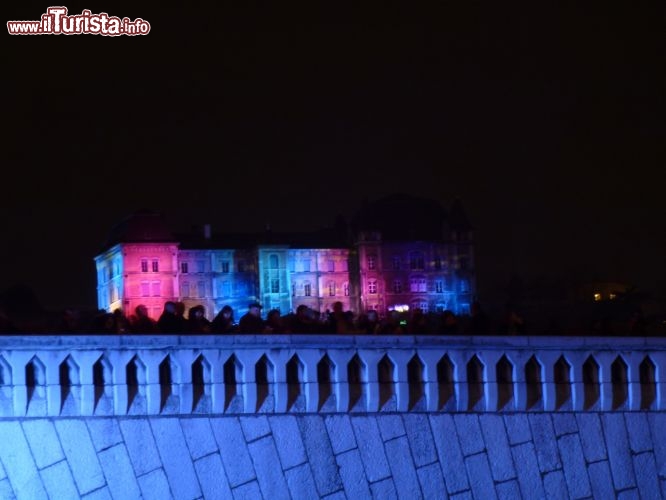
pixel 91 375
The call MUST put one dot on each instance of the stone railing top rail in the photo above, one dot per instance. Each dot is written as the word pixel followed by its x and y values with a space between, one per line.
pixel 112 341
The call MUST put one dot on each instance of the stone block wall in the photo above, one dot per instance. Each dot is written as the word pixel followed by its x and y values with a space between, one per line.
pixel 337 456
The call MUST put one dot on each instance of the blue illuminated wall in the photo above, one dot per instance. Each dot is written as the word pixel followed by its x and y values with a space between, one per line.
pixel 518 455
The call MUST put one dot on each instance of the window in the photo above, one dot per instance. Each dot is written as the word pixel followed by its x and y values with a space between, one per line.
pixel 144 265
pixel 397 286
pixel 439 286
pixel 183 267
pixel 114 293
pixel 201 266
pixel 145 289
pixel 293 290
pixel 156 266
pixel 396 262
pixel 417 285
pixel 307 289
pixel 111 274
pixel 241 266
pixel 291 262
pixel 372 262
pixel 224 266
pixel 275 285
pixel 331 288
pixel 331 266
pixel 416 261
pixel 372 286
pixel 273 262
pixel 306 265
pixel 345 289
pixel 464 286
pixel 438 262
pixel 156 288
pixel 201 289
pixel 185 289
pixel 597 297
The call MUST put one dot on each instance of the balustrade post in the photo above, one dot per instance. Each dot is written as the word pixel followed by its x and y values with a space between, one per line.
pixel 281 388
pixel 400 359
pixel 86 361
pixel 52 360
pixel 215 359
pixel 310 359
pixel 577 359
pixel 659 360
pixel 370 359
pixel 489 382
pixel 248 359
pixel 152 360
pixel 459 359
pixel 431 383
pixel 118 361
pixel 341 359
pixel 634 381
pixel 185 360
pixel 18 361
pixel 548 359
pixel 520 380
pixel 605 360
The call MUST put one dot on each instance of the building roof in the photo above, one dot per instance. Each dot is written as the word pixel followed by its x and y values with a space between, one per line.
pixel 324 238
pixel 144 226
pixel 402 217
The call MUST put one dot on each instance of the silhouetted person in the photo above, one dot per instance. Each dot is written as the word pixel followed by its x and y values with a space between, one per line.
pixel 274 322
pixel 224 321
pixel 180 315
pixel 120 322
pixel 141 322
pixel 338 321
pixel 251 321
pixel 168 322
pixel 302 321
pixel 197 321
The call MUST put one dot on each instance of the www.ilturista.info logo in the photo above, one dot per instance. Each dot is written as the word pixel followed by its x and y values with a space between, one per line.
pixel 57 22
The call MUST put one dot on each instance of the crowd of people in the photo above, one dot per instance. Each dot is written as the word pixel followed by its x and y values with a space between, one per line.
pixel 177 319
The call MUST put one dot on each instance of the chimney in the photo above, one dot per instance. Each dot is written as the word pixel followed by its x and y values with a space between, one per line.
pixel 207 231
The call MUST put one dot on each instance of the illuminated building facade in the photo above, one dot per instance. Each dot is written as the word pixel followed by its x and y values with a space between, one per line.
pixel 399 253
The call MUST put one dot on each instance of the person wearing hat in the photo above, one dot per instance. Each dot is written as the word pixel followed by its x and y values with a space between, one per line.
pixel 251 321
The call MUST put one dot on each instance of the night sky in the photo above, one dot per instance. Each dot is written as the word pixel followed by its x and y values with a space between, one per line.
pixel 547 122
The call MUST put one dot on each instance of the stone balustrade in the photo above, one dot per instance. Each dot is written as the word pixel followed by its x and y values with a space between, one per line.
pixel 92 375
